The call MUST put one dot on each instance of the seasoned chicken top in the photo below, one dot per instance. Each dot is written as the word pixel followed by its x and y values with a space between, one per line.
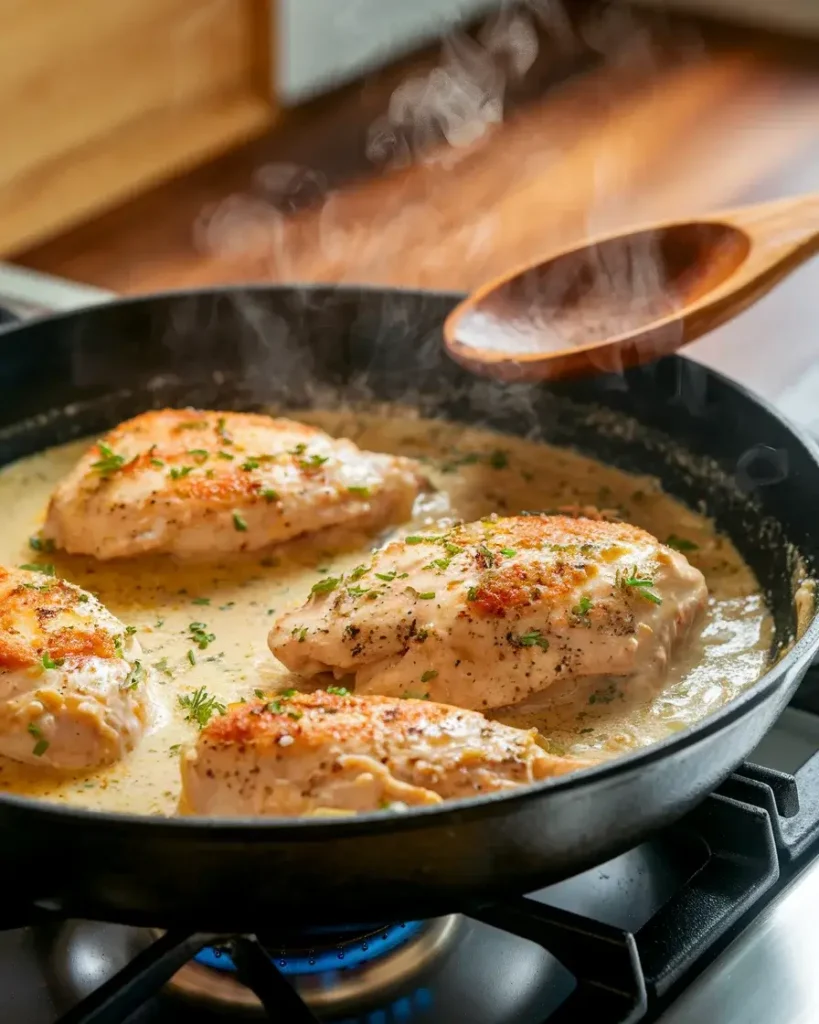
pixel 488 613
pixel 72 690
pixel 198 484
pixel 301 753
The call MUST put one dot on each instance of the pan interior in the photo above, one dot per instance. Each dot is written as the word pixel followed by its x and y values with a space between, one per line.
pixel 621 424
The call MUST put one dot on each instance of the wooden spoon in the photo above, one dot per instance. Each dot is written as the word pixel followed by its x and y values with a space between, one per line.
pixel 627 299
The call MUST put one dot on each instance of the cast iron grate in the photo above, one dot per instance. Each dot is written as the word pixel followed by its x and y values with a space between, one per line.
pixel 751 831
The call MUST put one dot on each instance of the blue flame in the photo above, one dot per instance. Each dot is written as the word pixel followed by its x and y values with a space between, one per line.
pixel 321 959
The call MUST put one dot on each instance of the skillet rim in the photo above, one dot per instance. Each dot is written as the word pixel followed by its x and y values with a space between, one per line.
pixel 261 829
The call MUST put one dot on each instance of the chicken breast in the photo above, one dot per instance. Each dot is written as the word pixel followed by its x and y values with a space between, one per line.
pixel 72 690
pixel 198 484
pixel 329 752
pixel 489 613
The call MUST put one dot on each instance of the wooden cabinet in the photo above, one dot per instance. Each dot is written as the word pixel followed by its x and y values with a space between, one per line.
pixel 100 99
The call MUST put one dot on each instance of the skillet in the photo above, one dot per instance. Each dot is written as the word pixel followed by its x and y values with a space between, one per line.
pixel 709 441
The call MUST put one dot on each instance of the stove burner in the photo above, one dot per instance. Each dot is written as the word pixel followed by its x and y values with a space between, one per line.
pixel 364 946
pixel 332 969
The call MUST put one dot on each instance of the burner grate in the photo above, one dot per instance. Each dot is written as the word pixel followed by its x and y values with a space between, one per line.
pixel 741 839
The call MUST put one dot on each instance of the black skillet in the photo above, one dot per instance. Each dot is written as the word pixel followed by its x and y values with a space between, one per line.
pixel 708 440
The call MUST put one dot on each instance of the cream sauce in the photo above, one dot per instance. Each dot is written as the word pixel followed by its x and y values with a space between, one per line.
pixel 476 472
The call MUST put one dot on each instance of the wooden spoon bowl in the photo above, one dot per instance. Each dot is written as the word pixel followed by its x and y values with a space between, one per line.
pixel 628 299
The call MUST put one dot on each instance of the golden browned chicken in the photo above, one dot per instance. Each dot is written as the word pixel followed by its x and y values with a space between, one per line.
pixel 200 484
pixel 489 613
pixel 299 753
pixel 72 688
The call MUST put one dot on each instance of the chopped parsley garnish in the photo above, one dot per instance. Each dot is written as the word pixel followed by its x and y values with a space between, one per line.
pixel 357 591
pixel 583 607
pixel 270 495
pixel 200 707
pixel 130 630
pixel 84 598
pixel 42 745
pixel 291 691
pixel 193 425
pixel 427 595
pixel 429 675
pixel 314 461
pixel 388 577
pixel 338 691
pixel 325 586
pixel 136 676
pixel 361 492
pixel 162 666
pixel 488 557
pixel 201 600
pixel 239 522
pixel 300 449
pixel 508 552
pixel 534 638
pixel 681 544
pixel 174 749
pixel 220 430
pixel 358 572
pixel 37 543
pixel 49 662
pixel 158 463
pixel 177 472
pixel 274 706
pixel 110 462
pixel 200 454
pixel 46 568
pixel 640 584
pixel 300 632
pixel 118 644
pixel 250 464
pixel 414 539
pixel 451 549
pixel 191 657
pixel 438 563
pixel 295 715
pixel 225 455
pixel 200 636
pixel 498 459
pixel 259 694
pixel 472 594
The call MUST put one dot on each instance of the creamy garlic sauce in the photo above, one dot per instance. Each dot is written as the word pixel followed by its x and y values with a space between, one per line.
pixel 476 472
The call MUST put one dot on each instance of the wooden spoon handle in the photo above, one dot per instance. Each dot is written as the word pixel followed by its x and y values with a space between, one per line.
pixel 779 225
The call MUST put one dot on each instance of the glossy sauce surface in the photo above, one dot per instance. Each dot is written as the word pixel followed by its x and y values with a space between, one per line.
pixel 177 607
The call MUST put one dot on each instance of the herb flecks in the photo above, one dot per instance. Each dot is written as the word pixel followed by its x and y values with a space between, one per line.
pixel 44 567
pixel 48 662
pixel 325 586
pixel 583 607
pixel 200 636
pixel 109 462
pixel 239 522
pixel 41 745
pixel 43 545
pixel 200 707
pixel 429 675
pixel 136 676
pixel 532 638
pixel 641 585
pixel 338 691
pixel 681 543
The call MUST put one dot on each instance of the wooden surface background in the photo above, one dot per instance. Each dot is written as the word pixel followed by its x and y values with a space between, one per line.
pixel 458 164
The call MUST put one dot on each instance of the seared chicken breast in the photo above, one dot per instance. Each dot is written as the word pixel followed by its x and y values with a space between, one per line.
pixel 72 690
pixel 330 752
pixel 200 484
pixel 489 613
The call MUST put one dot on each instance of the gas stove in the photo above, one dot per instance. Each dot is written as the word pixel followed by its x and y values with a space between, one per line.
pixel 710 920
